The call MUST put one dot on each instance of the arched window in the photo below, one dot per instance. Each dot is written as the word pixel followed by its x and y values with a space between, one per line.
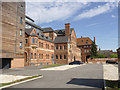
pixel 64 56
pixel 56 56
pixel 60 56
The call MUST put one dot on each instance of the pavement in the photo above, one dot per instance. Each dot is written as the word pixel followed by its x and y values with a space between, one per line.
pixel 65 67
pixel 110 71
pixel 82 76
pixel 10 78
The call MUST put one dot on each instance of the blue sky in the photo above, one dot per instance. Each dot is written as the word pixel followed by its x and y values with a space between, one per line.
pixel 99 19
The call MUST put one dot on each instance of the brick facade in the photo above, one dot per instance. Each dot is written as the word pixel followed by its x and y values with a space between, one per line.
pixel 84 43
pixel 39 52
pixel 13 28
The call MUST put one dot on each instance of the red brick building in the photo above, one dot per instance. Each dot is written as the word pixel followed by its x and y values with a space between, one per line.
pixel 50 46
pixel 84 43
pixel 66 49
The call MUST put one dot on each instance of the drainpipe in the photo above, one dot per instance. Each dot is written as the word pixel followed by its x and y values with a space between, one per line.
pixel 16 33
pixel 37 56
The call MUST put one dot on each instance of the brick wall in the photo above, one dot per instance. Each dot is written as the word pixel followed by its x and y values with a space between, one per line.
pixel 101 60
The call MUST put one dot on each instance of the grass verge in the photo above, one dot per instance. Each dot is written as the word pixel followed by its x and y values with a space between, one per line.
pixel 51 65
pixel 112 85
pixel 4 84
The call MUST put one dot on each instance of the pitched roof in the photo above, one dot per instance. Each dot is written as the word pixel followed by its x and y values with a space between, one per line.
pixel 34 25
pixel 44 38
pixel 28 31
pixel 84 41
pixel 62 31
pixel 48 29
pixel 61 39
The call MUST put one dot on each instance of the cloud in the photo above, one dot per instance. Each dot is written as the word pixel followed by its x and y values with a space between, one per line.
pixel 49 12
pixel 96 11
pixel 92 24
pixel 113 16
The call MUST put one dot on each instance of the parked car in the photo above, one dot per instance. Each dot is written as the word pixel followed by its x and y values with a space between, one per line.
pixel 76 62
pixel 111 62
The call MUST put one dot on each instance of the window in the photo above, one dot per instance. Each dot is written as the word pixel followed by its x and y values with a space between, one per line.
pixel 64 47
pixel 81 40
pixel 21 20
pixel 64 56
pixel 60 56
pixel 39 44
pixel 33 40
pixel 57 47
pixel 25 41
pixel 20 32
pixel 56 56
pixel 60 47
pixel 48 56
pixel 86 42
pixel 69 46
pixel 42 45
pixel 52 56
pixel 48 46
pixel 21 7
pixel 20 45
pixel 39 56
pixel 35 55
pixel 52 47
pixel 31 55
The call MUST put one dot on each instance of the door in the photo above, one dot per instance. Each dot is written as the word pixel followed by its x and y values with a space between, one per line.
pixel 5 63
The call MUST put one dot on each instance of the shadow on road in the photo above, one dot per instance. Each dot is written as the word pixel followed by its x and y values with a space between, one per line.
pixel 97 83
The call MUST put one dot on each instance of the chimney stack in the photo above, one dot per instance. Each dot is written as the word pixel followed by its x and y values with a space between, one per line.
pixel 67 29
pixel 94 40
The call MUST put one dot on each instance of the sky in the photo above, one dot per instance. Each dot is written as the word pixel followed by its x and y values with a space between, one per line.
pixel 89 19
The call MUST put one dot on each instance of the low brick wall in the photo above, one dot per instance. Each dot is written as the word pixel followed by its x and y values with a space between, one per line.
pixel 17 62
pixel 101 60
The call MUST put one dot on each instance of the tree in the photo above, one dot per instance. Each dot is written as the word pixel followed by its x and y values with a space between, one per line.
pixel 101 56
pixel 113 56
pixel 93 50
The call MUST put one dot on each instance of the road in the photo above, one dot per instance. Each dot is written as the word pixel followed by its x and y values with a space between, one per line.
pixel 83 76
